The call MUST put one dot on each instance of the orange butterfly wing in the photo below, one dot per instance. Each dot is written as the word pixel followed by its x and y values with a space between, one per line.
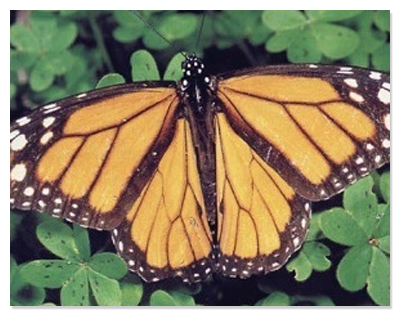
pixel 88 157
pixel 288 135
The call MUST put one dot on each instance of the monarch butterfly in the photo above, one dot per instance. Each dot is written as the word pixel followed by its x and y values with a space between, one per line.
pixel 212 174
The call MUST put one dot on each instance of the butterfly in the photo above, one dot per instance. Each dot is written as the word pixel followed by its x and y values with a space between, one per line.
pixel 210 174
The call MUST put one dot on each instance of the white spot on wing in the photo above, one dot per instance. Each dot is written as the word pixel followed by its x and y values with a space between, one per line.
pixel 29 191
pixel 19 142
pixel 23 121
pixel 82 95
pixel 384 96
pixel 345 70
pixel 14 133
pixel 370 146
pixel 18 173
pixel 48 121
pixel 52 109
pixel 46 137
pixel 359 160
pixel 50 106
pixel 386 143
pixel 387 121
pixel 356 97
pixel 375 75
pixel 351 82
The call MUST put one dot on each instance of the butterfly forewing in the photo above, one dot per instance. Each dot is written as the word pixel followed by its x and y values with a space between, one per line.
pixel 319 127
pixel 76 158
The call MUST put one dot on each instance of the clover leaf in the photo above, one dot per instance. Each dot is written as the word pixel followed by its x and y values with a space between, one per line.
pixel 83 279
pixel 364 226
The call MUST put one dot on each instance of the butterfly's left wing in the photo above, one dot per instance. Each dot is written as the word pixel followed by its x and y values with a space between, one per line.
pixel 118 158
pixel 165 233
pixel 86 158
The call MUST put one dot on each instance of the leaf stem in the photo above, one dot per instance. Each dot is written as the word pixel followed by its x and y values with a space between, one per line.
pixel 100 42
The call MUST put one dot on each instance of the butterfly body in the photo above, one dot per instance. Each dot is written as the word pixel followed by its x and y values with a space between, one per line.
pixel 210 174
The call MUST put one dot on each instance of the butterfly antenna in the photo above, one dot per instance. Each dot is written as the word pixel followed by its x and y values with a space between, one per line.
pixel 203 17
pixel 153 29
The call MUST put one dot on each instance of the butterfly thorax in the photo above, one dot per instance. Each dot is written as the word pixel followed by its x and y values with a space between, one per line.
pixel 196 85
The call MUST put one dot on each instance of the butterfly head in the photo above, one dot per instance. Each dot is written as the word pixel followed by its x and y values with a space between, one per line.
pixel 194 71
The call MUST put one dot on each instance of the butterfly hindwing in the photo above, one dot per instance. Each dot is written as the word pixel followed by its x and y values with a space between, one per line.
pixel 166 233
pixel 319 127
pixel 261 220
pixel 75 159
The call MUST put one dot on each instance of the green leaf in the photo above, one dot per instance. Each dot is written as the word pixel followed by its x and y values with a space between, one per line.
pixel 66 35
pixel 110 80
pixel 58 238
pixel 41 76
pixel 385 186
pixel 382 233
pixel 384 244
pixel 362 204
pixel 153 41
pixel 281 41
pixel 332 15
pixel 382 20
pixel 59 62
pixel 20 59
pixel 105 290
pixel 383 225
pixel 126 18
pixel 322 300
pixel 132 290
pixel 24 39
pixel 340 227
pixel 282 20
pixel 275 299
pixel 82 242
pixel 129 29
pixel 173 71
pixel 76 291
pixel 335 41
pixel 313 256
pixel 126 35
pixel 49 273
pixel 178 26
pixel 109 264
pixel 22 293
pixel 317 300
pixel 304 49
pixel 48 304
pixel 353 269
pixel 162 298
pixel 381 58
pixel 144 67
pixel 314 231
pixel 379 281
